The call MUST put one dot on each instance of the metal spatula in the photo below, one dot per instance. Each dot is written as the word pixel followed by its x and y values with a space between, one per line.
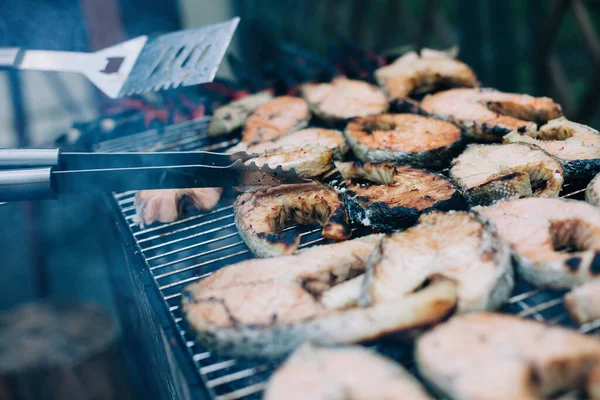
pixel 187 57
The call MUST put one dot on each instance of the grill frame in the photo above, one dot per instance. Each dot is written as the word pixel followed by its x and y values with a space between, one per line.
pixel 220 379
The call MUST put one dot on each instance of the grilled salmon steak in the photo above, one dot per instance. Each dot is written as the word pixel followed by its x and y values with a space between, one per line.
pixel 487 114
pixel 403 138
pixel 343 99
pixel 488 173
pixel 261 217
pixel 413 73
pixel 269 307
pixel 329 138
pixel 345 372
pixel 457 245
pixel 308 162
pixel 171 204
pixel 498 357
pixel 592 192
pixel 583 302
pixel 275 118
pixel 556 241
pixel 576 146
pixel 232 116
pixel 388 196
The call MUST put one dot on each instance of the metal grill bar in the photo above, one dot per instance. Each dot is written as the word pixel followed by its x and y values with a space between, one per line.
pixel 189 237
pixel 181 221
pixel 170 251
pixel 187 228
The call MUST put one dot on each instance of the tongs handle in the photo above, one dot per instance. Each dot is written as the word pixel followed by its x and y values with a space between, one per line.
pixel 9 56
pixel 26 184
pixel 29 158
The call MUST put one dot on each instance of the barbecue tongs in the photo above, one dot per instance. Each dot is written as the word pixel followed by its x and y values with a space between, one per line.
pixel 28 174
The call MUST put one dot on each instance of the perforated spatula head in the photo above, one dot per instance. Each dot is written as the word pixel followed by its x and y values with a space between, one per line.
pixel 188 57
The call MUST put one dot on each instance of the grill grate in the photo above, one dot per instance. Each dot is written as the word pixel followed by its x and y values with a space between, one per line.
pixel 190 249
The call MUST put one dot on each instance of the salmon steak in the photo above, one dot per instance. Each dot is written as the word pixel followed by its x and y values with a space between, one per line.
pixel 576 146
pixel 275 118
pixel 329 138
pixel 342 372
pixel 232 116
pixel 556 242
pixel 487 114
pixel 583 302
pixel 405 139
pixel 343 99
pixel 488 173
pixel 388 196
pixel 497 357
pixel 592 191
pixel 262 217
pixel 459 246
pixel 310 161
pixel 471 255
pixel 169 205
pixel 269 307
pixel 413 73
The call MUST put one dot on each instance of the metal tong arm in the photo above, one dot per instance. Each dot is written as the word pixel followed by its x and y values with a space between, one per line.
pixel 46 183
pixel 67 161
pixel 32 174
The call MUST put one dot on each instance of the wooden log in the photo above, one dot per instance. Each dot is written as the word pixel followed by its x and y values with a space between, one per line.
pixel 55 351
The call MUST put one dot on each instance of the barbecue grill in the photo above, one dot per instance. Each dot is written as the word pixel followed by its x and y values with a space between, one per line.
pixel 170 256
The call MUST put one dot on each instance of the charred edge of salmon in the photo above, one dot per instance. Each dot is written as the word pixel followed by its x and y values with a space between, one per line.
pixel 478 131
pixel 381 216
pixel 434 158
pixel 405 106
pixel 496 189
pixel 265 245
pixel 579 170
